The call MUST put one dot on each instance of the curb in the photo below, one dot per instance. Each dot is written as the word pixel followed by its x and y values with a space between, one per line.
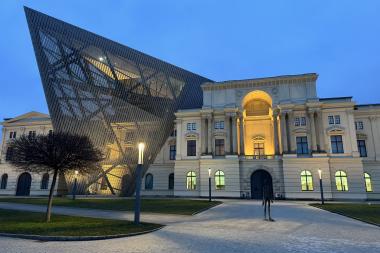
pixel 207 208
pixel 75 238
pixel 348 216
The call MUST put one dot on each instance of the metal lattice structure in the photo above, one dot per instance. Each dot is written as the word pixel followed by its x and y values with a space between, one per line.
pixel 113 94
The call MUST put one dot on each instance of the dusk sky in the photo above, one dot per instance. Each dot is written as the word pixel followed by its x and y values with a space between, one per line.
pixel 221 40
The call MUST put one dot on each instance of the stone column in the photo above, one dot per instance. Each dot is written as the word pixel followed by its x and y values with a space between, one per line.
pixel 275 130
pixel 241 130
pixel 227 146
pixel 234 134
pixel 375 136
pixel 203 135
pixel 209 134
pixel 284 133
pixel 312 131
pixel 291 136
pixel 179 138
pixel 321 131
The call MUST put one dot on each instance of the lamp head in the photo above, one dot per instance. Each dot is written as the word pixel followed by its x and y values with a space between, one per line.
pixel 76 173
pixel 141 153
pixel 209 172
pixel 320 173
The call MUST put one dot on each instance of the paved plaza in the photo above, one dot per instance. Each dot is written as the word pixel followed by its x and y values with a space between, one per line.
pixel 235 226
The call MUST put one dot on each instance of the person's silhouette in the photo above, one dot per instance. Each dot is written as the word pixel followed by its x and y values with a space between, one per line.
pixel 267 198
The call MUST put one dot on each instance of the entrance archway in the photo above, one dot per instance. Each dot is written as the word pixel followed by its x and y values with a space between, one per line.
pixel 23 184
pixel 257 182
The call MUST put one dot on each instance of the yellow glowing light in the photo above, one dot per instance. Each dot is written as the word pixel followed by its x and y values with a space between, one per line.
pixel 320 174
pixel 141 153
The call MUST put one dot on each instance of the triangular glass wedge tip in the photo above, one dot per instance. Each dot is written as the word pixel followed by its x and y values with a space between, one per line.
pixel 115 95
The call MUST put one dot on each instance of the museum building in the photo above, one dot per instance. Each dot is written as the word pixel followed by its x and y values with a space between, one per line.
pixel 239 133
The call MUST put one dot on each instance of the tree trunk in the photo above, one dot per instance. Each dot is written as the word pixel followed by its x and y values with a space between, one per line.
pixel 51 193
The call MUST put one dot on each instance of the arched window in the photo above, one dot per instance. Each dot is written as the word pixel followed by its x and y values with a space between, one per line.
pixel 171 181
pixel 4 181
pixel 219 180
pixel 368 184
pixel 148 181
pixel 191 180
pixel 341 181
pixel 45 181
pixel 306 181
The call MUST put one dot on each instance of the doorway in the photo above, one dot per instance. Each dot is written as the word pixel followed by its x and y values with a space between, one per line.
pixel 23 184
pixel 257 182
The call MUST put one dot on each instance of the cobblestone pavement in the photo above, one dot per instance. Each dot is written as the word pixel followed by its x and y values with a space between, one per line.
pixel 235 226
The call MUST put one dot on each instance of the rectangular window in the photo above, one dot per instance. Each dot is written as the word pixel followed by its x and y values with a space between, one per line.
pixel 258 150
pixel 362 148
pixel 191 126
pixel 32 134
pixel 9 154
pixel 12 135
pixel 191 148
pixel 302 147
pixel 337 119
pixel 219 147
pixel 337 144
pixel 173 133
pixel 172 152
pixel 219 125
pixel 303 121
pixel 296 121
pixel 331 120
pixel 359 125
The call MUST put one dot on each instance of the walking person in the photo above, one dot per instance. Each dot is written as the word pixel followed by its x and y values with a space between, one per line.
pixel 267 199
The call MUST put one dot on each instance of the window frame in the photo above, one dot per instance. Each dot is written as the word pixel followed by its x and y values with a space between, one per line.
pixel 45 181
pixel 302 141
pixel 220 180
pixel 4 181
pixel 362 148
pixel 342 179
pixel 368 182
pixel 191 177
pixel 171 181
pixel 219 147
pixel 148 184
pixel 191 149
pixel 336 145
pixel 259 149
pixel 307 177
pixel 172 152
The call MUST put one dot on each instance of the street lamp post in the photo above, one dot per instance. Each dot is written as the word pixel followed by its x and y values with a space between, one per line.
pixel 75 183
pixel 138 183
pixel 209 184
pixel 321 186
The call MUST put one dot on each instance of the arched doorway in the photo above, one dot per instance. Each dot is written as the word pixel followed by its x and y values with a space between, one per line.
pixel 257 182
pixel 23 184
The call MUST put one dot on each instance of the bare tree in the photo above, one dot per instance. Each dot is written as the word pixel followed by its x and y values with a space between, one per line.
pixel 57 153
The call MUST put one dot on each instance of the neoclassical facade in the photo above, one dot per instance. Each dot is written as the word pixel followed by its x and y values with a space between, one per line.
pixel 275 129
pixel 13 181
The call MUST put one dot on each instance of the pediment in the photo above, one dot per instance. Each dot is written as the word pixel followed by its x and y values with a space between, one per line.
pixel 258 138
pixel 192 135
pixel 300 130
pixel 335 130
pixel 28 117
pixel 361 136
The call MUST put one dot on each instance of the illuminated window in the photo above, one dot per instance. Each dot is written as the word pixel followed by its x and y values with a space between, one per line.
pixel 258 149
pixel 302 147
pixel 148 181
pixel 220 183
pixel 368 184
pixel 306 181
pixel 341 181
pixel 45 181
pixel 336 144
pixel 362 148
pixel 191 180
pixel 4 181
pixel 219 147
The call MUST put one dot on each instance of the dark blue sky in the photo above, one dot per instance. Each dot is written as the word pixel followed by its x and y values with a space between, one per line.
pixel 221 40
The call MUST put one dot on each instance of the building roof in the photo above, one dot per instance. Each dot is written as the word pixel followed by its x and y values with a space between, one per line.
pixel 32 116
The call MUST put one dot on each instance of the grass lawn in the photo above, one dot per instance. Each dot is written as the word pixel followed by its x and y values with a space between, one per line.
pixel 363 212
pixel 168 206
pixel 20 222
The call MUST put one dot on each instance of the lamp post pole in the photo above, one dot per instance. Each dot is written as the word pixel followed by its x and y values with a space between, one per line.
pixel 209 185
pixel 321 186
pixel 75 184
pixel 138 183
